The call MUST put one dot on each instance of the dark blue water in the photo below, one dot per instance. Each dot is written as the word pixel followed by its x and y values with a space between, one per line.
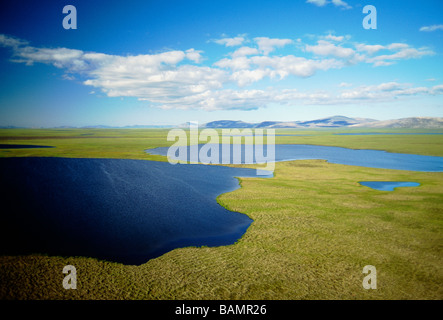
pixel 126 211
pixel 388 185
pixel 21 146
pixel 383 133
pixel 365 158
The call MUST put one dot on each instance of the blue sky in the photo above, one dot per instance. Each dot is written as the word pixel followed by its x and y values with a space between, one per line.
pixel 169 62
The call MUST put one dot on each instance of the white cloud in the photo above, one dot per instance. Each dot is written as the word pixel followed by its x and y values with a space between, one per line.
pixel 436 90
pixel 236 63
pixel 59 57
pixel 254 99
pixel 325 48
pixel 432 28
pixel 246 77
pixel 158 84
pixel 7 41
pixel 231 42
pixel 389 86
pixel 267 45
pixel 340 3
pixel 371 49
pixel 393 52
pixel 319 3
pixel 334 38
pixel 385 92
pixel 257 67
pixel 337 3
pixel 397 46
pixel 194 55
pixel 293 65
pixel 404 53
pixel 244 51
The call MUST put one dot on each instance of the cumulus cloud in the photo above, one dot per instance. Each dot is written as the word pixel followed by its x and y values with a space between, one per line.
pixel 267 45
pixel 325 48
pixel 246 70
pixel 392 52
pixel 194 55
pixel 402 52
pixel 371 49
pixel 245 51
pixel 334 38
pixel 432 28
pixel 231 42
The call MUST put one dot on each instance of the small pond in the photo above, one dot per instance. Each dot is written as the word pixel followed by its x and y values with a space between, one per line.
pixel 388 185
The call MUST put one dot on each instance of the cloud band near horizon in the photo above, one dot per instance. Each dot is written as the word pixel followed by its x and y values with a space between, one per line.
pixel 178 79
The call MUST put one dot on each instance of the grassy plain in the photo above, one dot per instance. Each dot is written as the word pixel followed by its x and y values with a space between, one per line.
pixel 314 229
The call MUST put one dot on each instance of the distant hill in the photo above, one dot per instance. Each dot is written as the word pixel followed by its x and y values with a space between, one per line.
pixel 336 121
pixel 412 123
pixel 330 122
pixel 228 124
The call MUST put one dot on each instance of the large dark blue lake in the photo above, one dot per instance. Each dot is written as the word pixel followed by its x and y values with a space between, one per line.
pixel 286 152
pixel 126 211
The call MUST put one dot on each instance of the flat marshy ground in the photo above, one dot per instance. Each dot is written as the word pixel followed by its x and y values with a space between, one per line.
pixel 315 228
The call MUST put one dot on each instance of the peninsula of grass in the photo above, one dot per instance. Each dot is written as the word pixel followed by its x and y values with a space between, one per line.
pixel 315 228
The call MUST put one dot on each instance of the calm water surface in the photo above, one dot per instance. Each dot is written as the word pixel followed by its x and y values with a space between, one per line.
pixel 388 185
pixel 364 158
pixel 126 211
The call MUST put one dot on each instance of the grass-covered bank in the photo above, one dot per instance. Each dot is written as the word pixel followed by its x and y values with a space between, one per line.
pixel 131 143
pixel 314 230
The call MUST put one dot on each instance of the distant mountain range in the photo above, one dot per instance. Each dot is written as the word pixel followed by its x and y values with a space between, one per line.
pixel 330 122
pixel 333 122
pixel 413 123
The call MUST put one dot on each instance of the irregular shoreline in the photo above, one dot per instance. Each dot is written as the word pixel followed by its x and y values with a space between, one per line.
pixel 126 211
